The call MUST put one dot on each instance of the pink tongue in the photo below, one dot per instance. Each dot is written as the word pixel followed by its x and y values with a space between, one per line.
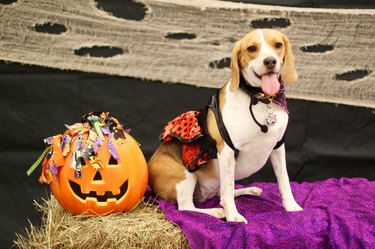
pixel 270 84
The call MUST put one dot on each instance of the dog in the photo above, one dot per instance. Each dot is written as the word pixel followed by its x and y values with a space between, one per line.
pixel 244 125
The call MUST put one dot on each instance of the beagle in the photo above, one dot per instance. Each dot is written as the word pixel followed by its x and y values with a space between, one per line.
pixel 243 125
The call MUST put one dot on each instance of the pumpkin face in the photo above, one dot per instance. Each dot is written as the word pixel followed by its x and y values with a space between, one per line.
pixel 116 182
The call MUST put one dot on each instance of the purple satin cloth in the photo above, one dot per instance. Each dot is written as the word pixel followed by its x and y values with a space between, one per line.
pixel 337 214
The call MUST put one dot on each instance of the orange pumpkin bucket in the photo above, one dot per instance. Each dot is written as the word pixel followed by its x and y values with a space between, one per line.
pixel 95 167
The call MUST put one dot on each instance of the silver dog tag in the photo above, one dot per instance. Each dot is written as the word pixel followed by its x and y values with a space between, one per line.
pixel 271 119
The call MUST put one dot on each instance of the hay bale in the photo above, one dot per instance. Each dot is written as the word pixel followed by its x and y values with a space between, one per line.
pixel 145 226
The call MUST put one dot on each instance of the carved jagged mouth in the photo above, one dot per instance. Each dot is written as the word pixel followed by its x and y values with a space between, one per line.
pixel 100 198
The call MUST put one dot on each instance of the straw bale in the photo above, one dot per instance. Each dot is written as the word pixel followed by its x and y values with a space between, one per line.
pixel 145 226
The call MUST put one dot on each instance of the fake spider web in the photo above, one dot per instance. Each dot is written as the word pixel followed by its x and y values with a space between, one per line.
pixel 191 41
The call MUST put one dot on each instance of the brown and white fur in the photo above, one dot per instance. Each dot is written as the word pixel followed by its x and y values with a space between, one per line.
pixel 171 181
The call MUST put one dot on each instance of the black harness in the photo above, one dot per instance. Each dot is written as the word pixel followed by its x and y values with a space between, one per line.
pixel 253 92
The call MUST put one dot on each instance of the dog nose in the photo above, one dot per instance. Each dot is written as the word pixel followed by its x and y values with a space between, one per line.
pixel 270 62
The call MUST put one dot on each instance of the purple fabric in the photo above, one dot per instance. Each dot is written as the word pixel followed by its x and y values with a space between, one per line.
pixel 337 214
pixel 98 142
pixel 54 169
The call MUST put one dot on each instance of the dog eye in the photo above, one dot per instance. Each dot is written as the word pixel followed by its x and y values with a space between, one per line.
pixel 252 49
pixel 278 45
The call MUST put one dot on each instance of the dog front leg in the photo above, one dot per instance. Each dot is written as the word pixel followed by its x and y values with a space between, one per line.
pixel 279 166
pixel 227 166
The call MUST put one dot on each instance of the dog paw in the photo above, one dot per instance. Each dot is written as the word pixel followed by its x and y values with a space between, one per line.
pixel 248 191
pixel 236 218
pixel 216 212
pixel 255 191
pixel 292 206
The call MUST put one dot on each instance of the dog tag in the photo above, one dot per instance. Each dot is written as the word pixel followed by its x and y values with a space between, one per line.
pixel 271 119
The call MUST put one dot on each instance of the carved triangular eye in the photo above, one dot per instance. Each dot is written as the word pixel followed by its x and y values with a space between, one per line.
pixel 112 161
pixel 98 176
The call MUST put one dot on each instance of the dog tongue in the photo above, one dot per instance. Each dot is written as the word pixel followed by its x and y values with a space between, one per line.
pixel 270 84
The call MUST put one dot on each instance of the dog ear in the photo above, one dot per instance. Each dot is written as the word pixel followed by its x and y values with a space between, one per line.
pixel 288 73
pixel 235 68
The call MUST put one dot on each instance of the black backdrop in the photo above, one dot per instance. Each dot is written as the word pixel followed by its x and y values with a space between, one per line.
pixel 324 140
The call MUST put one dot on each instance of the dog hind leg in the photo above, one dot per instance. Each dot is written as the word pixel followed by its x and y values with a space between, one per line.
pixel 248 191
pixel 185 192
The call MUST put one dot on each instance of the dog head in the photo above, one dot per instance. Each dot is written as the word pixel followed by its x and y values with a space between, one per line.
pixel 261 57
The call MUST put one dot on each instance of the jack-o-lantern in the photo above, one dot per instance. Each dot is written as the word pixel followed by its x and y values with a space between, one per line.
pixel 95 167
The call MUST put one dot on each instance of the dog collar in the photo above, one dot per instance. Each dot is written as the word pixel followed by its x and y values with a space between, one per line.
pixel 256 95
pixel 279 99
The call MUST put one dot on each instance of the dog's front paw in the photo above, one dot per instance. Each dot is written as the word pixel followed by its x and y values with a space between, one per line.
pixel 292 206
pixel 216 212
pixel 236 218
